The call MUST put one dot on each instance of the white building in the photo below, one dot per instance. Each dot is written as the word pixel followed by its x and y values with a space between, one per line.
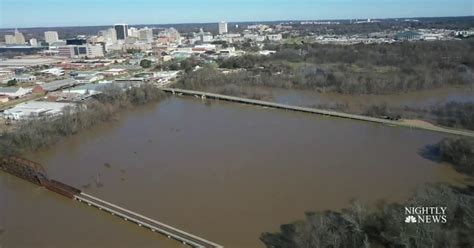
pixel 87 89
pixel 16 39
pixel 25 78
pixel 88 77
pixel 110 35
pixel 10 39
pixel 222 27
pixel 33 42
pixel 114 72
pixel 82 51
pixel 54 71
pixel 204 47
pixel 274 37
pixel 205 36
pixel 133 32
pixel 51 37
pixel 36 109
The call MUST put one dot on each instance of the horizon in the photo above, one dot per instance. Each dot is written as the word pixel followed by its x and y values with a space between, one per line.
pixel 232 22
pixel 166 12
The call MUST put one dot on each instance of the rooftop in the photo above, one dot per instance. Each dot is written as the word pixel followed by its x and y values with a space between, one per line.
pixel 9 89
pixel 58 84
pixel 28 62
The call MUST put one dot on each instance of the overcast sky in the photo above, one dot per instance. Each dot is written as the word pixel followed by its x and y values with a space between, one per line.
pixel 47 13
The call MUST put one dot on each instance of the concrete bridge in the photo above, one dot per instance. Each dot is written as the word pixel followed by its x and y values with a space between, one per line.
pixel 142 221
pixel 205 95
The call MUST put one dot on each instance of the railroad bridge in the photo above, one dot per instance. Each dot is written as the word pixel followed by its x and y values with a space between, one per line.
pixel 35 173
pixel 25 169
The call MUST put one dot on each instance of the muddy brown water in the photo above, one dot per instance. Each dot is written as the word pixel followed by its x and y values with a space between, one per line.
pixel 223 171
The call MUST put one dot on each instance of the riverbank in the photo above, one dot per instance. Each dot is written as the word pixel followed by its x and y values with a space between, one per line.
pixel 409 124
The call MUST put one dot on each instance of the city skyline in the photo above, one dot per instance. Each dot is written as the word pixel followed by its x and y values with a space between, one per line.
pixel 108 12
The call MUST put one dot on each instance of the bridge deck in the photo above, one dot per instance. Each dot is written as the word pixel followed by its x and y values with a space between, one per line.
pixel 146 222
pixel 317 111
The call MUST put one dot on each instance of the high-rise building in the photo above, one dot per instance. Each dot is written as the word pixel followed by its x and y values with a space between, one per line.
pixel 19 38
pixel 16 39
pixel 222 27
pixel 51 37
pixel 121 30
pixel 9 39
pixel 133 32
pixel 111 35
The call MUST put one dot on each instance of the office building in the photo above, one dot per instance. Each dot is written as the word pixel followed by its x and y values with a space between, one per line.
pixel 82 51
pixel 145 34
pixel 222 27
pixel 121 30
pixel 9 39
pixel 16 39
pixel 110 35
pixel 76 41
pixel 51 37
pixel 133 32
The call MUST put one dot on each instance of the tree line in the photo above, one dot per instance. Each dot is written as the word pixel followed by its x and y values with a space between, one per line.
pixel 458 152
pixel 452 114
pixel 361 69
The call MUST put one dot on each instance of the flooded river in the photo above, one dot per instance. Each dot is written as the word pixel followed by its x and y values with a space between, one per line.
pixel 223 171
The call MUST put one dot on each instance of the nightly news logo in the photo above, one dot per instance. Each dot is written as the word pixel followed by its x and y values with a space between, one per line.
pixel 425 214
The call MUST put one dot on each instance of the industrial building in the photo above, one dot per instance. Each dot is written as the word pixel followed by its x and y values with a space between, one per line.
pixel 29 62
pixel 87 76
pixel 35 109
pixel 25 78
pixel 55 85
pixel 14 92
pixel 87 89
pixel 23 49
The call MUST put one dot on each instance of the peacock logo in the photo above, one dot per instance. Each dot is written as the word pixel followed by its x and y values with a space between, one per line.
pixel 410 219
